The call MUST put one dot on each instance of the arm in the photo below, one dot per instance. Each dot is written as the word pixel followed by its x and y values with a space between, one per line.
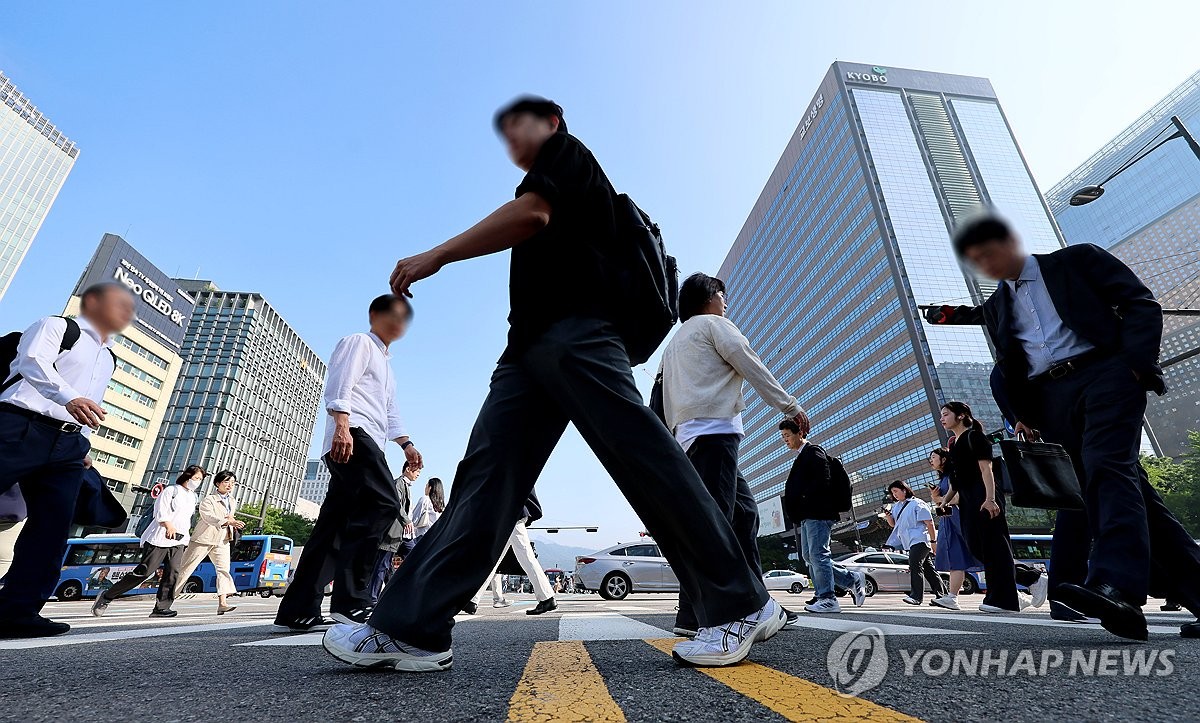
pixel 1141 314
pixel 36 354
pixel 734 348
pixel 989 485
pixel 163 512
pixel 213 513
pixel 397 433
pixel 502 229
pixel 346 366
pixel 932 532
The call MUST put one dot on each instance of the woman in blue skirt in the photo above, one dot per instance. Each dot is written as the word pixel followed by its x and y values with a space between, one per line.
pixel 953 555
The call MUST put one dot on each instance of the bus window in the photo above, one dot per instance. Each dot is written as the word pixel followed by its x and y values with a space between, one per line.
pixel 247 550
pixel 281 545
pixel 83 554
pixel 1031 549
pixel 123 554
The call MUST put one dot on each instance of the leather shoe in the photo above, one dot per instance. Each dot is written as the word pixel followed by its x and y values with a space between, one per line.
pixel 470 608
pixel 34 626
pixel 1061 612
pixel 544 606
pixel 1104 601
pixel 1190 630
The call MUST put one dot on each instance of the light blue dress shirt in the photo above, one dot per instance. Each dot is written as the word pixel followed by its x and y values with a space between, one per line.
pixel 1046 339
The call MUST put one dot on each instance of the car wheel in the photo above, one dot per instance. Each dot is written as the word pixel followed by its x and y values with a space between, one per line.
pixel 615 587
pixel 872 588
pixel 797 588
pixel 266 593
pixel 969 587
pixel 194 585
pixel 69 591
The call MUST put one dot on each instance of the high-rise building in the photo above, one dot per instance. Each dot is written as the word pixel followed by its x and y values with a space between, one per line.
pixel 35 158
pixel 850 235
pixel 148 362
pixel 316 481
pixel 1149 217
pixel 246 400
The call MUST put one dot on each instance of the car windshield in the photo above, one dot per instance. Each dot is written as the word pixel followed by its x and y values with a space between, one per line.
pixel 844 556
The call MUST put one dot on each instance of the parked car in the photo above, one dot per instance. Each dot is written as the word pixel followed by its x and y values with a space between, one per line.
pixel 887 571
pixel 788 580
pixel 622 569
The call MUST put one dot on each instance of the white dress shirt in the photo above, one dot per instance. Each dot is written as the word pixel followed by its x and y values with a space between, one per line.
pixel 175 505
pixel 50 380
pixel 687 432
pixel 360 383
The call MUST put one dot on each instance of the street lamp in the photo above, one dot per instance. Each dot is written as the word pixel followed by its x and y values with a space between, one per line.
pixel 1087 194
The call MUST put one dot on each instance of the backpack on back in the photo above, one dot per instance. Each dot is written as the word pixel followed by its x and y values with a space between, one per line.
pixel 646 281
pixel 839 482
pixel 8 350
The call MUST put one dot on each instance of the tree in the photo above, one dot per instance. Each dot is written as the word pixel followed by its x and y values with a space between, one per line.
pixel 1179 483
pixel 288 524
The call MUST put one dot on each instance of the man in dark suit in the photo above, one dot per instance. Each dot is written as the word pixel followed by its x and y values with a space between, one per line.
pixel 1077 339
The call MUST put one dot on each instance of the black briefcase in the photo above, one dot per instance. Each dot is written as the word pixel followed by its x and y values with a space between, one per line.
pixel 1042 475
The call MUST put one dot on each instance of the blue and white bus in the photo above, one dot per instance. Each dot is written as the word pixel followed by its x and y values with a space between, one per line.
pixel 260 563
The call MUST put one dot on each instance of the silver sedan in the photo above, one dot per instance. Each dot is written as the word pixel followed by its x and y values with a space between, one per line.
pixel 622 569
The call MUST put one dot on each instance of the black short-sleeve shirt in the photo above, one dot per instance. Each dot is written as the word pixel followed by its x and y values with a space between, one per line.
pixel 559 272
pixel 965 455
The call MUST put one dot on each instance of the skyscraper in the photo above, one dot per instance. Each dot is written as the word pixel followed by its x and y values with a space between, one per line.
pixel 246 400
pixel 849 236
pixel 148 362
pixel 1149 217
pixel 35 158
pixel 316 481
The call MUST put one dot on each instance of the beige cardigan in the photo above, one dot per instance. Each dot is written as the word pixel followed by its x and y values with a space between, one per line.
pixel 703 368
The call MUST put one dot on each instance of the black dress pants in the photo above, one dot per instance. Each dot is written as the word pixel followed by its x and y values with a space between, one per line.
pixel 989 542
pixel 576 372
pixel 152 557
pixel 715 457
pixel 358 510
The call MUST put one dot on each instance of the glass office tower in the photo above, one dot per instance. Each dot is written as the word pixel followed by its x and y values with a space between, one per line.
pixel 35 158
pixel 1149 217
pixel 851 233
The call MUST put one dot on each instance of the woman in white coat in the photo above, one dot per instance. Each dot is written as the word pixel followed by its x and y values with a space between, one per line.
pixel 212 538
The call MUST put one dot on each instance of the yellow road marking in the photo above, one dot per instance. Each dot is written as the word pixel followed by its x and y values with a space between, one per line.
pixel 793 698
pixel 560 683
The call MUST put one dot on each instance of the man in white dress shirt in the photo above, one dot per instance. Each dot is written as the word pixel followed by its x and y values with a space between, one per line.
pixel 49 403
pixel 360 396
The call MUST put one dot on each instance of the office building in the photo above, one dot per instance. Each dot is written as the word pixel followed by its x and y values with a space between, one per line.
pixel 1149 217
pixel 35 159
pixel 316 481
pixel 148 362
pixel 849 236
pixel 246 399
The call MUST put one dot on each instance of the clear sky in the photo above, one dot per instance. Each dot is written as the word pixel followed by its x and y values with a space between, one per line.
pixel 298 149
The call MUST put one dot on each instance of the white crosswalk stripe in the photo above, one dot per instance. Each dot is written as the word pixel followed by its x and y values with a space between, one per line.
pixel 1030 619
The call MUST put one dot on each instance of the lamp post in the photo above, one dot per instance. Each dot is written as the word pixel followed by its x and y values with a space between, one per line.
pixel 1087 194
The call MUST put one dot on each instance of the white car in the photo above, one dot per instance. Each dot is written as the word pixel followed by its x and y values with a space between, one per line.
pixel 622 569
pixel 785 580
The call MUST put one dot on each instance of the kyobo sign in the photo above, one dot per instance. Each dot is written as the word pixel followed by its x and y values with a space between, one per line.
pixel 877 75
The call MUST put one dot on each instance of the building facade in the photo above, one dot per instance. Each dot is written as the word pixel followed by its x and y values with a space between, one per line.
pixel 316 481
pixel 35 159
pixel 850 235
pixel 1149 217
pixel 148 363
pixel 246 399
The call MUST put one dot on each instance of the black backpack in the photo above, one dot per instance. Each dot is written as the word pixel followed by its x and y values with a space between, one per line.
pixel 646 280
pixel 839 482
pixel 8 350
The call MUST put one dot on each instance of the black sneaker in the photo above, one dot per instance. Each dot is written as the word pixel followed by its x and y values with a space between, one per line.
pixel 470 608
pixel 544 606
pixel 1170 607
pixel 156 613
pixel 316 623
pixel 358 616
pixel 34 626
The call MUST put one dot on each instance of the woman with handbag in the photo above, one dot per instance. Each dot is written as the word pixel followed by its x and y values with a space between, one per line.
pixel 913 532
pixel 984 526
pixel 953 556
pixel 215 534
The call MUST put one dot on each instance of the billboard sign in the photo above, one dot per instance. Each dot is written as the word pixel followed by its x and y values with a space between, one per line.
pixel 770 517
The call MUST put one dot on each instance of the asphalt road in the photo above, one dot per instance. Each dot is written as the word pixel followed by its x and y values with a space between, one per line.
pixel 600 660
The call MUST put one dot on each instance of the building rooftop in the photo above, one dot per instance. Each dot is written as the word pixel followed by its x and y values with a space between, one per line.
pixel 15 99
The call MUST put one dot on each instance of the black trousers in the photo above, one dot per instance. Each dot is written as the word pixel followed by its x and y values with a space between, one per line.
pixel 715 457
pixel 1127 538
pixel 920 571
pixel 152 557
pixel 577 372
pixel 989 542
pixel 48 464
pixel 358 510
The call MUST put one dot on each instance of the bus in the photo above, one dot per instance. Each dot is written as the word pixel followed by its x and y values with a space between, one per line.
pixel 1033 550
pixel 259 563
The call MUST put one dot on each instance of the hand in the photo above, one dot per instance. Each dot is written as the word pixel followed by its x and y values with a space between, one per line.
pixel 938 314
pixel 170 529
pixel 239 524
pixel 412 269
pixel 408 529
pixel 87 461
pixel 1031 434
pixel 803 422
pixel 990 507
pixel 413 456
pixel 343 443
pixel 86 412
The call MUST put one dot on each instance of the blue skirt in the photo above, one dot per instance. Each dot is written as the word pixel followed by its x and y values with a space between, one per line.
pixel 952 550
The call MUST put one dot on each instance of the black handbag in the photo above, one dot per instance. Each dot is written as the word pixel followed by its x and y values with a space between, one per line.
pixel 1042 475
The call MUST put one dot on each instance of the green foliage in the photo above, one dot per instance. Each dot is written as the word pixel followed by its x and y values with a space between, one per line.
pixel 773 553
pixel 1179 483
pixel 289 524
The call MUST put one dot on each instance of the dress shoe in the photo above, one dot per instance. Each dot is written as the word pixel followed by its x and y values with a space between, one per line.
pixel 156 613
pixel 470 608
pixel 1061 612
pixel 544 606
pixel 34 626
pixel 226 609
pixel 1104 601
pixel 1190 630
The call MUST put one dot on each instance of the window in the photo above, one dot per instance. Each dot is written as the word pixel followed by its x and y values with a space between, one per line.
pixel 247 550
pixel 281 546
pixel 82 554
pixel 620 552
pixel 643 551
pixel 877 559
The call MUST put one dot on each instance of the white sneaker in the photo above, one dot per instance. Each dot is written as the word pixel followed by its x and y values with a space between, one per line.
pixel 366 647
pixel 824 605
pixel 730 643
pixel 910 600
pixel 859 590
pixel 949 602
pixel 1039 590
pixel 1023 601
pixel 502 603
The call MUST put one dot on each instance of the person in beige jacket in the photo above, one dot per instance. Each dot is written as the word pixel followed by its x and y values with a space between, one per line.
pixel 212 538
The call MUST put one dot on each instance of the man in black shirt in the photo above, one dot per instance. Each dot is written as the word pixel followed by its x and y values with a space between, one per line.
pixel 565 363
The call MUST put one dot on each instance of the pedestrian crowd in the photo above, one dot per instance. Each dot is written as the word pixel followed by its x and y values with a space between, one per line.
pixel 1076 336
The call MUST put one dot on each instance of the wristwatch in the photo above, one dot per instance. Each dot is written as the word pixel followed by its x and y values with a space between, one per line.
pixel 407 444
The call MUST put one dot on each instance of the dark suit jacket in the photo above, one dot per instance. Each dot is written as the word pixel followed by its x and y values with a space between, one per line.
pixel 806 493
pixel 1098 297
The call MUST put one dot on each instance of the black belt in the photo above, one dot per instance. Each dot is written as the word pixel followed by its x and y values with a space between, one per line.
pixel 60 425
pixel 1070 366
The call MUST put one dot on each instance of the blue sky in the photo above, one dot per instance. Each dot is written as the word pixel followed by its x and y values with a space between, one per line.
pixel 298 149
